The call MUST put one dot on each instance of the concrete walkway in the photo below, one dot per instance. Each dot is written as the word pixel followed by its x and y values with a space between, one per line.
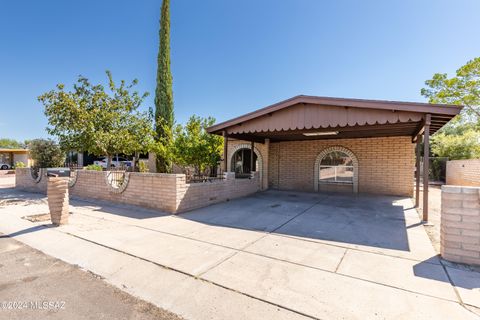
pixel 36 286
pixel 274 255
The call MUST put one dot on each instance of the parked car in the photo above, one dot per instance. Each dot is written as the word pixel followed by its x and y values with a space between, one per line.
pixel 117 162
pixel 4 166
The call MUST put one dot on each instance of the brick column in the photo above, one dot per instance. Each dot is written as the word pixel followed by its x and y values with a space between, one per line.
pixel 58 202
pixel 460 224
pixel 266 159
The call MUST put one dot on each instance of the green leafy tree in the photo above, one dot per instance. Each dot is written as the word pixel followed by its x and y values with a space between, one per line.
pixel 460 139
pixel 164 117
pixel 11 143
pixel 195 147
pixel 102 123
pixel 457 146
pixel 463 89
pixel 46 153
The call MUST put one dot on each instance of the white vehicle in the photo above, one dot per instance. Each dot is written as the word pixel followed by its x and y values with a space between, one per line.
pixel 4 166
pixel 116 162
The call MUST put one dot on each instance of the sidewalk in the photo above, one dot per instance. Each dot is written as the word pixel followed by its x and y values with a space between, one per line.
pixel 202 271
pixel 36 286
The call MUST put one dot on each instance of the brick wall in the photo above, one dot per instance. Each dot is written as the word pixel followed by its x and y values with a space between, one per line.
pixel 463 172
pixel 261 150
pixel 460 224
pixel 166 192
pixel 196 195
pixel 24 181
pixel 152 190
pixel 386 165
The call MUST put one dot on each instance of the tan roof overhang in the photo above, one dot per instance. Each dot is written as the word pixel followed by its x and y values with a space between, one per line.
pixel 302 117
pixel 4 150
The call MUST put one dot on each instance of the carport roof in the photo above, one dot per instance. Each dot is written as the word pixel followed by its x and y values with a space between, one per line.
pixel 14 150
pixel 310 117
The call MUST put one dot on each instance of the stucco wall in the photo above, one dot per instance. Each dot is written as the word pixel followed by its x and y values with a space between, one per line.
pixel 463 172
pixel 385 165
pixel 166 192
pixel 460 224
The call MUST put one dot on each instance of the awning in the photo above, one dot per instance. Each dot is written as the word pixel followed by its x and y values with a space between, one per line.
pixel 309 117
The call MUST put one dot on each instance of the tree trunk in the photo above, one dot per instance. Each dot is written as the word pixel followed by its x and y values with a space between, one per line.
pixel 109 162
pixel 135 162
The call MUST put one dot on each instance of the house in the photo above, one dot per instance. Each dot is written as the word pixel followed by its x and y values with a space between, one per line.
pixel 318 144
pixel 10 156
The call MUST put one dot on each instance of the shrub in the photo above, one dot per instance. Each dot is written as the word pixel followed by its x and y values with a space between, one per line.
pixel 94 167
pixel 142 166
pixel 19 164
pixel 46 153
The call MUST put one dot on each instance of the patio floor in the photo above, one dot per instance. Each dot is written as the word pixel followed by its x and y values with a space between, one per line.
pixel 321 256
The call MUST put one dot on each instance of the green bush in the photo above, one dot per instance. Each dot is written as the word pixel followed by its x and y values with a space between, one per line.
pixel 94 167
pixel 142 166
pixel 46 153
pixel 19 164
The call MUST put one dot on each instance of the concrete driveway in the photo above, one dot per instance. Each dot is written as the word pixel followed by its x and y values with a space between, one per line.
pixel 305 255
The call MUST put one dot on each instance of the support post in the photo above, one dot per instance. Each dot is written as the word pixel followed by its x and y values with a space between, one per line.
pixel 225 151
pixel 426 163
pixel 251 156
pixel 417 171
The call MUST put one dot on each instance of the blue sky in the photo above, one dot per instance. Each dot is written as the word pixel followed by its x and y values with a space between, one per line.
pixel 230 57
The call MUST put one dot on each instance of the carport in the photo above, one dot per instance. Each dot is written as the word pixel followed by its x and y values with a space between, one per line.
pixel 310 143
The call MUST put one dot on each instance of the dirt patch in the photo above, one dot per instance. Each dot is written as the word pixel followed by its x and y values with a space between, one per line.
pixel 38 217
pixel 9 202
pixel 434 209
pixel 20 202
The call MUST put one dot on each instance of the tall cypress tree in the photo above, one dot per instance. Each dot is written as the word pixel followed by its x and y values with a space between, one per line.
pixel 164 94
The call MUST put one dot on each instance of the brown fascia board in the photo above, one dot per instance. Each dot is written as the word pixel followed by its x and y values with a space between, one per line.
pixel 441 109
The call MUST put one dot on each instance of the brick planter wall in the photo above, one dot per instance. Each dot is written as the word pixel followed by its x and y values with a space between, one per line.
pixel 460 224
pixel 463 172
pixel 166 192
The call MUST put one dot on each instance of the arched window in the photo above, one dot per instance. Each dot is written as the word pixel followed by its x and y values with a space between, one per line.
pixel 241 163
pixel 336 167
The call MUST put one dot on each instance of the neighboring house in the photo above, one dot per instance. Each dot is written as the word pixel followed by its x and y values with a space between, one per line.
pixel 317 143
pixel 10 156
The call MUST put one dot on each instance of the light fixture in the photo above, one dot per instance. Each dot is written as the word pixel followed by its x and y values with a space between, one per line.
pixel 324 133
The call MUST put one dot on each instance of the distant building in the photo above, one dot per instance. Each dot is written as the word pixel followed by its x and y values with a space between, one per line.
pixel 10 156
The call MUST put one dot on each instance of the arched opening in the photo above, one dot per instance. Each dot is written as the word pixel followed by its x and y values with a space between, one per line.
pixel 336 169
pixel 241 163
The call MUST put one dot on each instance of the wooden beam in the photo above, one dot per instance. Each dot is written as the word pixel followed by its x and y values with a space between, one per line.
pixel 225 151
pixel 417 171
pixel 426 160
pixel 418 131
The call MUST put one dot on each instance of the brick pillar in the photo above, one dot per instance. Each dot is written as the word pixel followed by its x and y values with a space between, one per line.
pixel 266 160
pixel 460 224
pixel 58 202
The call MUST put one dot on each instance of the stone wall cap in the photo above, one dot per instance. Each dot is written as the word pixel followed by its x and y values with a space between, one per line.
pixel 470 189
pixel 451 189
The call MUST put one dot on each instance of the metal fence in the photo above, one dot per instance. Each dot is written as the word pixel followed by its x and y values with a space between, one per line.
pixel 214 174
pixel 437 169
pixel 116 178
